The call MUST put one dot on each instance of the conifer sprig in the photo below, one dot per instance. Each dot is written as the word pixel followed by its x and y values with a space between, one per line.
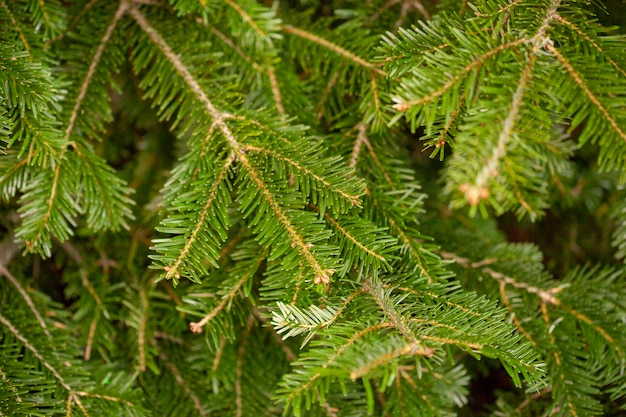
pixel 475 80
pixel 224 211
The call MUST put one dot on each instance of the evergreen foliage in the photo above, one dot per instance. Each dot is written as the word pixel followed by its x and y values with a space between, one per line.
pixel 226 208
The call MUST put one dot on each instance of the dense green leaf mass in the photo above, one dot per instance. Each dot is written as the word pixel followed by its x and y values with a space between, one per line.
pixel 347 208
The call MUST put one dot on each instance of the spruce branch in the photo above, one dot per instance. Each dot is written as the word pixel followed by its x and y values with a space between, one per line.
pixel 331 46
pixel 402 106
pixel 303 386
pixel 321 274
pixel 95 61
pixel 227 299
pixel 141 330
pixel 228 208
pixel 579 81
pixel 278 101
pixel 17 26
pixel 185 385
pixel 516 320
pixel 499 9
pixel 183 256
pixel 478 190
pixel 265 68
pixel 592 42
pixel 324 184
pixel 239 369
pixel 383 300
pixel 293 321
pixel 361 138
pixel 27 298
pixel 388 352
pixel 504 167
pixel 62 197
pixel 8 248
pixel 548 297
pixel 73 397
pixel 326 94
pixel 362 242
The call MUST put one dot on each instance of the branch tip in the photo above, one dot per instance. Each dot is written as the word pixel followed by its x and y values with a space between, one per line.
pixel 401 107
pixel 195 328
pixel 474 194
pixel 324 277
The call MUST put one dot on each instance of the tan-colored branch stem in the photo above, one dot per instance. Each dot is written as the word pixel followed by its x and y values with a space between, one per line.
pixel 579 81
pixel 398 322
pixel 405 105
pixel 197 327
pixel 333 47
pixel 361 138
pixel 92 67
pixel 27 298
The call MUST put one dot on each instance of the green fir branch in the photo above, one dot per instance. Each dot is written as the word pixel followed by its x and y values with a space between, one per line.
pixel 241 207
